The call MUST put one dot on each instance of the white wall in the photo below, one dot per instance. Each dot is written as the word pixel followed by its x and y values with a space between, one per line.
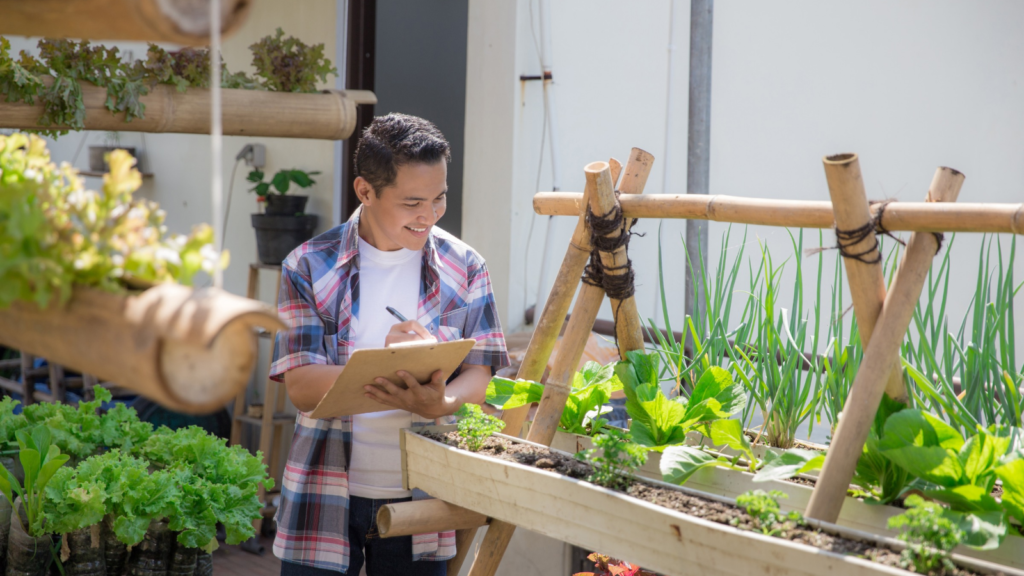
pixel 908 86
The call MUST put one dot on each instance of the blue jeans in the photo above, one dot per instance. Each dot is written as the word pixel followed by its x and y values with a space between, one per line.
pixel 382 556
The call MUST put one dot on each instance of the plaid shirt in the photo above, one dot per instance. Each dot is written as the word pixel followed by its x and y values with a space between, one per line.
pixel 319 299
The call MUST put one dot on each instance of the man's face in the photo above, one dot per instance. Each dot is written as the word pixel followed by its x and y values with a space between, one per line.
pixel 405 211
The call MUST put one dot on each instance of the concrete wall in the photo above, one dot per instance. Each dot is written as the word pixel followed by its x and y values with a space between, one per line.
pixel 909 87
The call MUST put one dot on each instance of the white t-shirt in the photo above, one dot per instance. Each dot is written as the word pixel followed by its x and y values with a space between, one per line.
pixel 385 279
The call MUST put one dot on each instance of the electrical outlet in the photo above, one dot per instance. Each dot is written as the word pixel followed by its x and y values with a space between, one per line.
pixel 259 156
pixel 255 155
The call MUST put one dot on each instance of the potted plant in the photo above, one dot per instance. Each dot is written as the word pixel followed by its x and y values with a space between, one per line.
pixel 283 226
pixel 98 153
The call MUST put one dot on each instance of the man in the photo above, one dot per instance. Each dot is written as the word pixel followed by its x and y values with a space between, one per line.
pixel 334 293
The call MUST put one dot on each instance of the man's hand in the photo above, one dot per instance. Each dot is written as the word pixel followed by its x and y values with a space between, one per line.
pixel 427 400
pixel 407 331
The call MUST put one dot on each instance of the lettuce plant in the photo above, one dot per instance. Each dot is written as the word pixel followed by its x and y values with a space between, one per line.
pixel 659 422
pixel 591 389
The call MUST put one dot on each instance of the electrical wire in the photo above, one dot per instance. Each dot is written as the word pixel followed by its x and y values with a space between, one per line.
pixel 540 166
pixel 227 206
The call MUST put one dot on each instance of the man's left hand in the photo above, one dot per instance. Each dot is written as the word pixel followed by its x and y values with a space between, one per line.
pixel 427 400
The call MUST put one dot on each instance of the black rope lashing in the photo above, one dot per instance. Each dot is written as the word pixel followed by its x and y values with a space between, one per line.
pixel 616 281
pixel 845 239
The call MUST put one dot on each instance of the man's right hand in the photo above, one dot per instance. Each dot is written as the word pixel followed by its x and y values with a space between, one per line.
pixel 407 331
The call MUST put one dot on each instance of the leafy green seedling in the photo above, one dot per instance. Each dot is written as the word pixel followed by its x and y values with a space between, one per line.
pixel 475 427
pixel 763 507
pixel 40 460
pixel 281 181
pixel 929 534
pixel 614 459
pixel 592 387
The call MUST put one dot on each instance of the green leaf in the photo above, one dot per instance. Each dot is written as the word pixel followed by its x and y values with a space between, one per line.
pixel 678 463
pixel 982 530
pixel 789 464
pixel 716 383
pixel 980 455
pixel 507 394
pixel 281 181
pixel 924 446
pixel 730 433
pixel 1012 475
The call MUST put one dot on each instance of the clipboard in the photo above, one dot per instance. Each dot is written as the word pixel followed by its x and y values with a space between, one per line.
pixel 347 396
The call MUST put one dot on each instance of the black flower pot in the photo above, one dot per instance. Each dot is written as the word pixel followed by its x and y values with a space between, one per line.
pixel 97 160
pixel 277 236
pixel 284 205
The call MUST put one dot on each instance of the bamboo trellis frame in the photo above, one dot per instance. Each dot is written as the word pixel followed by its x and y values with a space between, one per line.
pixel 881 352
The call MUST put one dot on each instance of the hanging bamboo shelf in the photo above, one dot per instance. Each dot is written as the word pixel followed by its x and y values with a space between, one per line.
pixel 329 115
pixel 596 518
pixel 190 350
pixel 178 21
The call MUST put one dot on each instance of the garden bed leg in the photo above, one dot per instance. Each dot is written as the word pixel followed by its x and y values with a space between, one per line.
pixel 879 357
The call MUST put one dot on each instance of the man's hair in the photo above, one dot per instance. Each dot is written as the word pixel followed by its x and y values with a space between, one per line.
pixel 392 141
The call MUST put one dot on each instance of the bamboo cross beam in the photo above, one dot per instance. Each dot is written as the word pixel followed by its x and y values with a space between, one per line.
pixel 867 284
pixel 899 216
pixel 879 356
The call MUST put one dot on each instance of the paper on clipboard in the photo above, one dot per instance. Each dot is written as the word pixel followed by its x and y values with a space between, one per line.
pixel 421 359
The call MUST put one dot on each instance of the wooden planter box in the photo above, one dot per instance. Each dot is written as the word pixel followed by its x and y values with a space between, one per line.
pixel 190 350
pixel 856 514
pixel 596 518
pixel 330 115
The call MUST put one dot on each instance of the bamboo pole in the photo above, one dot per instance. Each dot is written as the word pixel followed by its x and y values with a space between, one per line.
pixel 556 389
pixel 867 284
pixel 899 216
pixel 177 21
pixel 425 517
pixel 189 350
pixel 879 356
pixel 329 115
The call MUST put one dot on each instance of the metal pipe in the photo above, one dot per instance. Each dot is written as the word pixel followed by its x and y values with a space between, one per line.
pixel 666 173
pixel 698 159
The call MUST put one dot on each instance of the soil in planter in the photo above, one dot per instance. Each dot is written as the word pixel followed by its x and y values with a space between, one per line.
pixel 26 555
pixel 152 556
pixel 183 561
pixel 85 553
pixel 204 564
pixel 115 552
pixel 710 510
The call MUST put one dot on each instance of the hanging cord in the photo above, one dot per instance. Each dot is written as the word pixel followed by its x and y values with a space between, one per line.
pixel 845 239
pixel 216 137
pixel 616 286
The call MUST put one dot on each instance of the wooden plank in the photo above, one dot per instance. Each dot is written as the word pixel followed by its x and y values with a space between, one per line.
pixel 599 519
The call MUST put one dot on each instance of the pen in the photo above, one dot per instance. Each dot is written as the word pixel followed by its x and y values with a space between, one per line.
pixel 397 314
